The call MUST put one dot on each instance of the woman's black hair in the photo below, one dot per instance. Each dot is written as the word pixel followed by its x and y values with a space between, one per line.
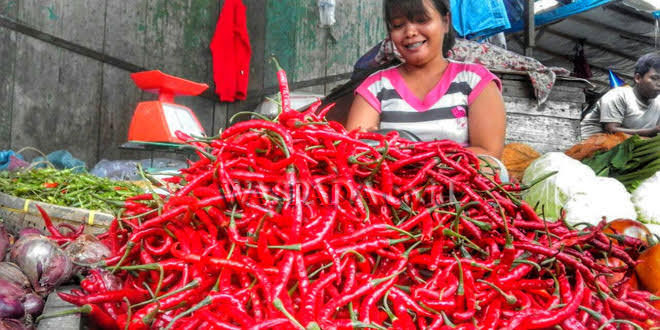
pixel 413 8
pixel 647 62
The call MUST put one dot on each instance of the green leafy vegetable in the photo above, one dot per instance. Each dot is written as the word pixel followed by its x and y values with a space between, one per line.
pixel 630 162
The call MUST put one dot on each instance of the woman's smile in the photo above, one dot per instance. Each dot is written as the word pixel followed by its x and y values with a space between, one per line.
pixel 415 45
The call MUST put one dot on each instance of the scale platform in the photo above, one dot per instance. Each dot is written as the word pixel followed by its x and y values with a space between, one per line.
pixel 157 121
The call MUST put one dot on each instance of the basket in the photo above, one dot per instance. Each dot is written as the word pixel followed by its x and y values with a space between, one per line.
pixel 19 213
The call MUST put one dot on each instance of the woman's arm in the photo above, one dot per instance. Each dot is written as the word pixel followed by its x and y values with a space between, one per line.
pixel 487 122
pixel 362 115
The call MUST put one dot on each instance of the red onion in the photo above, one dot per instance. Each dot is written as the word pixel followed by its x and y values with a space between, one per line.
pixel 12 324
pixel 86 249
pixel 11 307
pixel 11 289
pixel 33 304
pixel 42 260
pixel 11 272
pixel 4 242
pixel 29 231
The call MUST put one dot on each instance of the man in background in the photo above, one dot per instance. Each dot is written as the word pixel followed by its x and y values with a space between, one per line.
pixel 630 110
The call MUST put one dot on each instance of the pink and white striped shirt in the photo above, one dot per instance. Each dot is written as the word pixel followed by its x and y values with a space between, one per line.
pixel 442 114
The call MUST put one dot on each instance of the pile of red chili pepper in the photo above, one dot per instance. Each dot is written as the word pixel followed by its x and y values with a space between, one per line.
pixel 297 223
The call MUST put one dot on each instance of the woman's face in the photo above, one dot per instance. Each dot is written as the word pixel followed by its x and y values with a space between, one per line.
pixel 419 41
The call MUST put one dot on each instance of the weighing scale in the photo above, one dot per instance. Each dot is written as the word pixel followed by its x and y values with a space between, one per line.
pixel 154 122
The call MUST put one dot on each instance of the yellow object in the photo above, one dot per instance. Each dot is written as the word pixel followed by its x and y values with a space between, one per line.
pixel 516 157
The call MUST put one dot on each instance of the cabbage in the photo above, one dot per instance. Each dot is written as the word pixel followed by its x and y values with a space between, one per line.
pixel 553 192
pixel 599 197
pixel 645 199
pixel 576 189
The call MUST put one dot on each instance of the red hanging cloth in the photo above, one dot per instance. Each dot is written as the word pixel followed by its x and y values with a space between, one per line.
pixel 231 51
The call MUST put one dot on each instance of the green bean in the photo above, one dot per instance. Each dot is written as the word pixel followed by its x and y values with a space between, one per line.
pixel 66 188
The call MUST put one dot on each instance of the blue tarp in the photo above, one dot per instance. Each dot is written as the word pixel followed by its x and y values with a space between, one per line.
pixel 478 18
pixel 515 12
pixel 474 19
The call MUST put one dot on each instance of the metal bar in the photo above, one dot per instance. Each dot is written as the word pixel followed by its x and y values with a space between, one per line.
pixel 530 28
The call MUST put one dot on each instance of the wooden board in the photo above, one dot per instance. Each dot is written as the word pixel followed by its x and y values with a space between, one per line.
pixel 342 46
pixel 372 30
pixel 561 91
pixel 542 133
pixel 8 8
pixel 7 51
pixel 119 99
pixel 282 17
pixel 19 213
pixel 55 100
pixel 257 32
pixel 54 304
pixel 57 92
pixel 555 109
pixel 313 43
pixel 124 38
pixel 125 31
pixel 177 35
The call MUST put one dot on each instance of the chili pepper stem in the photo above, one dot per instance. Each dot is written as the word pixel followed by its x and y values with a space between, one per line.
pixel 461 289
pixel 81 309
pixel 193 284
pixel 313 326
pixel 251 113
pixel 447 321
pixel 206 301
pixel 277 303
pixel 129 247
pixel 449 232
pixel 510 299
pixel 633 324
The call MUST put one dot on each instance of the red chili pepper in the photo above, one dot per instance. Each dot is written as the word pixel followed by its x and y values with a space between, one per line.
pixel 284 87
pixel 50 184
pixel 99 317
pixel 108 296
pixel 548 319
pixel 56 235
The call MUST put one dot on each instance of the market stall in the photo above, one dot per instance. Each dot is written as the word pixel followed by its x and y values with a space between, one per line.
pixel 297 223
pixel 291 221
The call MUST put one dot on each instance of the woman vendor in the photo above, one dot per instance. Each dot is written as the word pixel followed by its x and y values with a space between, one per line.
pixel 427 94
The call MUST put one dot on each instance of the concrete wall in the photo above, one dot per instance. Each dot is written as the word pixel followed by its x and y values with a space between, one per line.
pixel 65 65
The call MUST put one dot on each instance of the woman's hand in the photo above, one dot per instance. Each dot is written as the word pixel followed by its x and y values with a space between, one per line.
pixel 487 122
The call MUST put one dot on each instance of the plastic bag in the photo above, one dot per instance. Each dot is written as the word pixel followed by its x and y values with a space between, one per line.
pixel 127 170
pixel 62 159
pixel 7 157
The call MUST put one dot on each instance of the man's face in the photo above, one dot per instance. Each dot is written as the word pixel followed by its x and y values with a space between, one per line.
pixel 648 85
